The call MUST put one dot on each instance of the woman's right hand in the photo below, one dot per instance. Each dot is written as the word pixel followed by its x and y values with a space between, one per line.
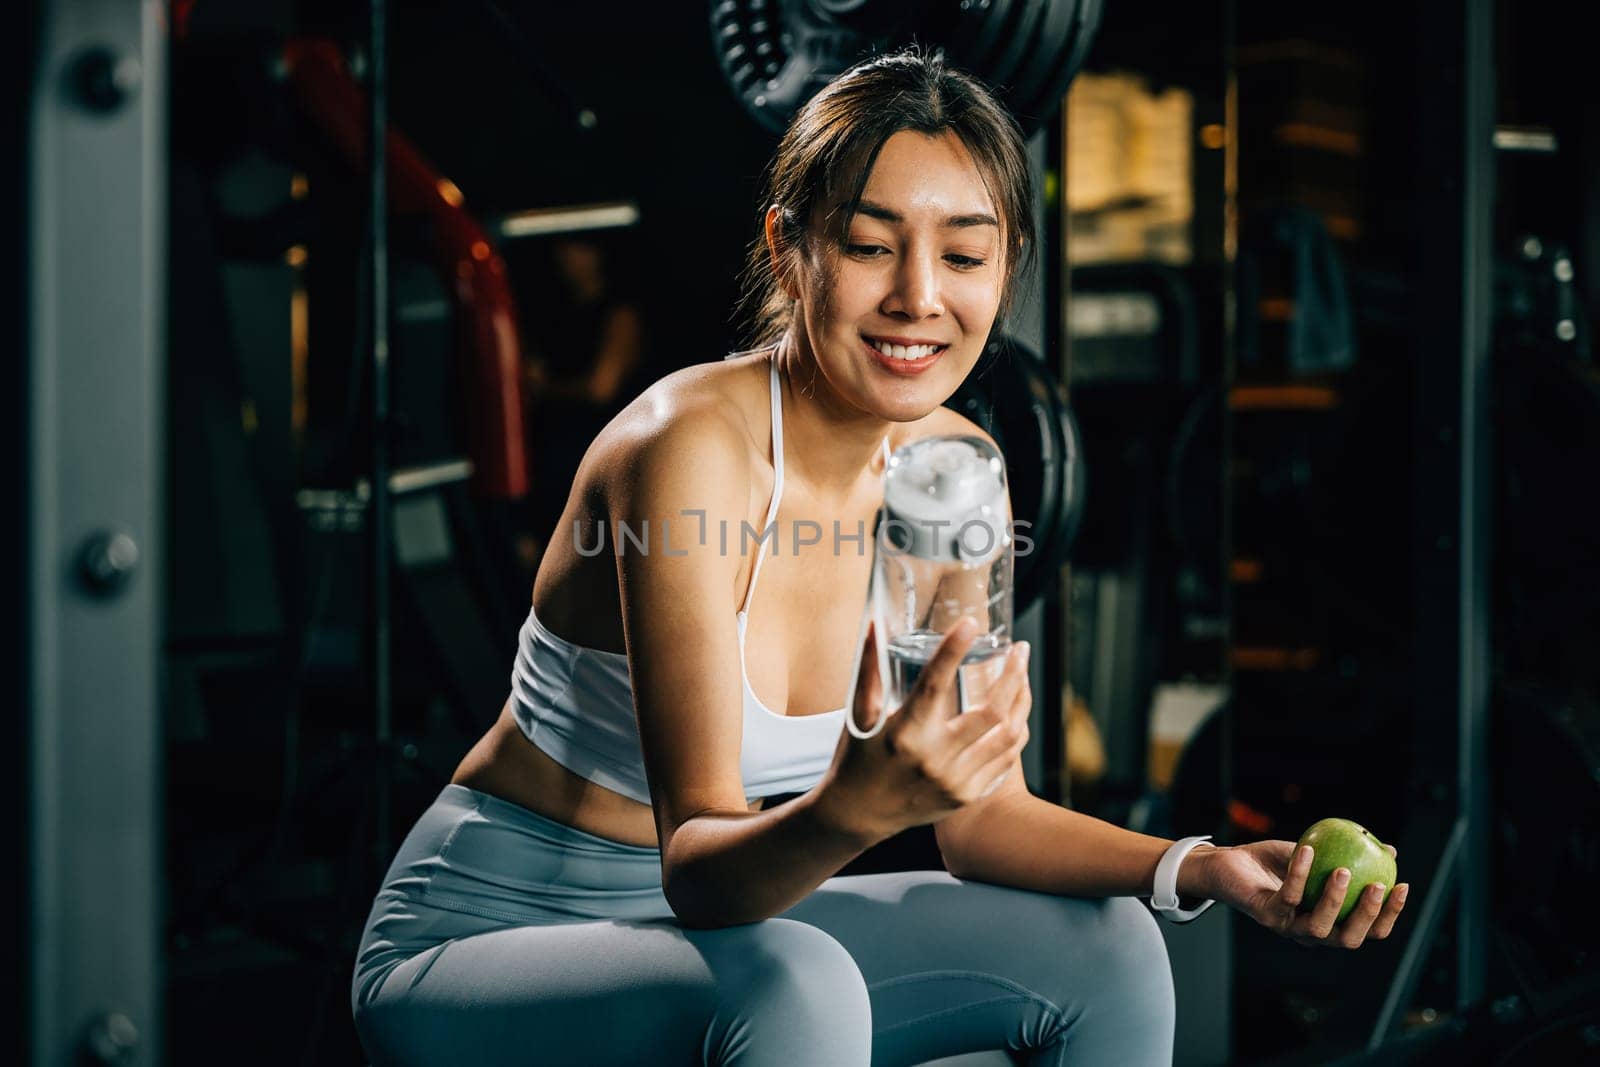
pixel 929 760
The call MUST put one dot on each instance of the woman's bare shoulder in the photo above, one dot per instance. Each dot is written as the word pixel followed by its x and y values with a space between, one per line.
pixel 702 417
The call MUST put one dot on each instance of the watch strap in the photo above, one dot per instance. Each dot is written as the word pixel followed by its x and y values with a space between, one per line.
pixel 1164 897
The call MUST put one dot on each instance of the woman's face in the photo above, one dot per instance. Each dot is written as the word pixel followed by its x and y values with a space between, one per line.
pixel 899 316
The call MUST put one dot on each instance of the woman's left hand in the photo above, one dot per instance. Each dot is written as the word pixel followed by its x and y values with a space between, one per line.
pixel 1266 881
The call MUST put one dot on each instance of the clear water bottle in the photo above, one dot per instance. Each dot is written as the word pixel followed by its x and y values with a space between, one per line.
pixel 942 551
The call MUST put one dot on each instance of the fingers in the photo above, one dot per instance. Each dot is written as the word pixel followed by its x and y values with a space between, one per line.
pixel 1006 700
pixel 1006 736
pixel 1279 854
pixel 1319 924
pixel 868 703
pixel 997 730
pixel 977 749
pixel 937 681
pixel 1359 922
pixel 1372 917
pixel 990 773
pixel 1022 698
pixel 1391 911
pixel 996 771
pixel 1294 885
pixel 1393 851
pixel 1012 680
pixel 966 729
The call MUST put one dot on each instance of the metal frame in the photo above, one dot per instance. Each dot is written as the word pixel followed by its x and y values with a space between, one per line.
pixel 92 556
pixel 380 509
pixel 1448 836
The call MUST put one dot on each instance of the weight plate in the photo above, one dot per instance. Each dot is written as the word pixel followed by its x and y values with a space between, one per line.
pixel 776 55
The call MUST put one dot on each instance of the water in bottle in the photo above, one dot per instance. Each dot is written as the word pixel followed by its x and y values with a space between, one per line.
pixel 980 668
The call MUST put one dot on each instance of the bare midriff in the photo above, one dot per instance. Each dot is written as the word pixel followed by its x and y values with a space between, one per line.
pixel 505 764
pixel 577 598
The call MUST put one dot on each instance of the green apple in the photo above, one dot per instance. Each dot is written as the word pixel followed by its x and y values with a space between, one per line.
pixel 1339 843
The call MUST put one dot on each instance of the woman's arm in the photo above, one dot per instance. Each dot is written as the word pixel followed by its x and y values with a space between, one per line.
pixel 737 867
pixel 721 863
pixel 1015 838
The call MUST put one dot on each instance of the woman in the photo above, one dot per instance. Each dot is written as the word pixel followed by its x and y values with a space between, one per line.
pixel 600 883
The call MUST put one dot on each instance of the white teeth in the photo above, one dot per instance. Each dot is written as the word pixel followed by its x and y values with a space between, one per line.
pixel 905 351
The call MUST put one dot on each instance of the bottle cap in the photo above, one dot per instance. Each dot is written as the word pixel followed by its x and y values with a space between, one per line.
pixel 945 499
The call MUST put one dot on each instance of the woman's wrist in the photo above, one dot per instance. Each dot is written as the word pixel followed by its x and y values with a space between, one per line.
pixel 839 815
pixel 1194 873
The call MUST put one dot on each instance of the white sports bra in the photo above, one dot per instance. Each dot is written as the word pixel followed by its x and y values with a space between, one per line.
pixel 576 703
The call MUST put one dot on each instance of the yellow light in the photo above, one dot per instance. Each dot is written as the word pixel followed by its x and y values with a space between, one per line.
pixel 299 343
pixel 295 256
pixel 1212 135
pixel 449 193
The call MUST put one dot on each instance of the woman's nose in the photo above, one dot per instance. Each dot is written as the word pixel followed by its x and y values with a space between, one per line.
pixel 916 293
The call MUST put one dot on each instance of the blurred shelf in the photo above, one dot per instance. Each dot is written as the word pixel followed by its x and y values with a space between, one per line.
pixel 1266 658
pixel 1283 398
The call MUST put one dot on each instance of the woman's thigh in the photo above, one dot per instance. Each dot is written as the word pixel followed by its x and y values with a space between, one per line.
pixel 955 966
pixel 623 992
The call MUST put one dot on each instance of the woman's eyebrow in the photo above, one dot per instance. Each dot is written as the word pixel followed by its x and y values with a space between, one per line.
pixel 884 214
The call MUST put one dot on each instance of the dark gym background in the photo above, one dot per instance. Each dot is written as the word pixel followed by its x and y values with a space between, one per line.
pixel 1338 556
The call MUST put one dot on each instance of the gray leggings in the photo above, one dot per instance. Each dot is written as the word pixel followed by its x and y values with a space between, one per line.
pixel 503 937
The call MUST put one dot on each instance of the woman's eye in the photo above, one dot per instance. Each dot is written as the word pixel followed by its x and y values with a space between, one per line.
pixel 960 262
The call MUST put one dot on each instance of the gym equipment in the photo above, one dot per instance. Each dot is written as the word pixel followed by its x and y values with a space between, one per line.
pixel 1537 301
pixel 87 541
pixel 491 360
pixel 1142 602
pixel 776 54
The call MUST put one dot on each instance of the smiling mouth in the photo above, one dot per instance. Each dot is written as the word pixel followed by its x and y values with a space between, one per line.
pixel 908 353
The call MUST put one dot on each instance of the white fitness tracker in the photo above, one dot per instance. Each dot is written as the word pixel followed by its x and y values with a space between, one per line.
pixel 1164 897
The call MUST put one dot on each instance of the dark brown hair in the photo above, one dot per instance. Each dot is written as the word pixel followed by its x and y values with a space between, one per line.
pixel 832 143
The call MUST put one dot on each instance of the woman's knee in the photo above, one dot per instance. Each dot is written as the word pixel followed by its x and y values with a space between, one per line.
pixel 786 986
pixel 790 962
pixel 1137 967
pixel 1113 954
pixel 1114 984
